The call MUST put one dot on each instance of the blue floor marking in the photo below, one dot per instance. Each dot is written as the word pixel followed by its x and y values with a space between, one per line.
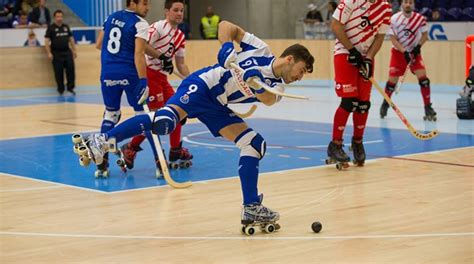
pixel 51 158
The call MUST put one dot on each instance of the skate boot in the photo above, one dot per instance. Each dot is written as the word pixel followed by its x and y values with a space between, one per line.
pixel 92 148
pixel 383 109
pixel 180 157
pixel 127 156
pixel 103 168
pixel 430 114
pixel 358 151
pixel 256 214
pixel 337 155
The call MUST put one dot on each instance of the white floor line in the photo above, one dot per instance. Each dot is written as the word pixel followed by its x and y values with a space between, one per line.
pixel 31 189
pixel 266 237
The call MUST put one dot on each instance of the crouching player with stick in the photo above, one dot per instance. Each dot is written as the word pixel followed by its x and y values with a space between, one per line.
pixel 205 95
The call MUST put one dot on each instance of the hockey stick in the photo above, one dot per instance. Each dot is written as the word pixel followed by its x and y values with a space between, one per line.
pixel 248 113
pixel 402 79
pixel 164 163
pixel 412 130
pixel 264 86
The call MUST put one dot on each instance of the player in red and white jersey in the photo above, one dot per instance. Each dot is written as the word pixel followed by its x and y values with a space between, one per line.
pixel 168 42
pixel 360 27
pixel 408 33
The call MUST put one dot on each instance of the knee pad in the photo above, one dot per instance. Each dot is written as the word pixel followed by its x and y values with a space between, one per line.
pixel 390 87
pixel 349 104
pixel 164 121
pixel 424 82
pixel 112 116
pixel 251 144
pixel 363 107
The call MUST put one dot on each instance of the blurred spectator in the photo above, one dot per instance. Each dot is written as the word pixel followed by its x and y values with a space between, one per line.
pixel 6 14
pixel 331 8
pixel 21 21
pixel 313 14
pixel 186 28
pixel 32 41
pixel 40 15
pixel 24 5
pixel 395 6
pixel 209 24
pixel 436 15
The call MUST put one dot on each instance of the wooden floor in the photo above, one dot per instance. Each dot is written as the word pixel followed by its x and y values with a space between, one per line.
pixel 415 209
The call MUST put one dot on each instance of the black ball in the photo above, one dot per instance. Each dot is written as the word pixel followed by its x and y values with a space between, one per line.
pixel 316 226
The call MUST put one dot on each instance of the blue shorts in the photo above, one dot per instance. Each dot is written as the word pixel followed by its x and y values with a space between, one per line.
pixel 113 86
pixel 194 98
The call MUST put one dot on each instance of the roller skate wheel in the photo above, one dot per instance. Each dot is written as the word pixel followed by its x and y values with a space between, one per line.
pixel 174 165
pixel 242 230
pixel 338 166
pixel 105 174
pixel 249 230
pixel 328 161
pixel 120 162
pixel 185 164
pixel 76 138
pixel 159 174
pixel 74 148
pixel 277 226
pixel 97 173
pixel 270 228
pixel 82 150
pixel 84 161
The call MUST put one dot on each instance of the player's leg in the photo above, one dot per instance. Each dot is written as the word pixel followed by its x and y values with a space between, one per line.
pixel 58 68
pixel 419 69
pixel 346 88
pixel 70 73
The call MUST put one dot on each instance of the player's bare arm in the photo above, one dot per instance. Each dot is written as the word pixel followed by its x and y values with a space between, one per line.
pixel 229 32
pixel 72 44
pixel 338 29
pixel 47 46
pixel 150 51
pixel 100 39
pixel 181 66
pixel 140 63
pixel 375 47
pixel 397 44
pixel 424 38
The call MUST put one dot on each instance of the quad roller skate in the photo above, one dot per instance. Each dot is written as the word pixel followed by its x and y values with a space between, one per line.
pixel 383 109
pixel 358 151
pixel 257 215
pixel 180 158
pixel 430 114
pixel 127 155
pixel 93 148
pixel 337 155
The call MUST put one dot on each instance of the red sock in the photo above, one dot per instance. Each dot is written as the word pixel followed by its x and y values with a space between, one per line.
pixel 340 120
pixel 175 137
pixel 359 124
pixel 425 93
pixel 137 140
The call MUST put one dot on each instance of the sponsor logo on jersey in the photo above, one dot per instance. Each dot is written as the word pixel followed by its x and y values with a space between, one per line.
pixel 244 88
pixel 123 82
pixel 184 99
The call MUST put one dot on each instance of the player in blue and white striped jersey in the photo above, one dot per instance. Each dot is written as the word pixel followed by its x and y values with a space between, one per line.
pixel 205 95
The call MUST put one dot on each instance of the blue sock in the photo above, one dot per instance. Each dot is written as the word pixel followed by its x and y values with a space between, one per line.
pixel 248 172
pixel 152 144
pixel 131 127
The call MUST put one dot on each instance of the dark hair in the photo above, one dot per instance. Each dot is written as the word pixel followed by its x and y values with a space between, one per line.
pixel 169 3
pixel 130 1
pixel 300 53
pixel 57 12
pixel 333 4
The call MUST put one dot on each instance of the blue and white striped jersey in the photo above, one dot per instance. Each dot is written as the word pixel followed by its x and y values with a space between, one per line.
pixel 118 47
pixel 227 86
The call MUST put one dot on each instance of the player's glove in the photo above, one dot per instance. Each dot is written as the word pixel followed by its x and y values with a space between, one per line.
pixel 227 55
pixel 416 51
pixel 355 58
pixel 407 56
pixel 141 91
pixel 250 74
pixel 167 63
pixel 367 69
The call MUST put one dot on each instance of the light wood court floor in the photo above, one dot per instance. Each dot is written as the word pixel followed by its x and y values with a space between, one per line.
pixel 415 209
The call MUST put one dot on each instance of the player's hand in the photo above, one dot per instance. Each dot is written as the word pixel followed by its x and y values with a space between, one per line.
pixel 367 69
pixel 416 51
pixel 167 64
pixel 141 91
pixel 227 55
pixel 355 58
pixel 407 56
pixel 50 56
pixel 254 74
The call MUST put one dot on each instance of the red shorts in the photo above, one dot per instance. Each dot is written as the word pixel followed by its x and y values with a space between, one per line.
pixel 349 82
pixel 160 89
pixel 398 64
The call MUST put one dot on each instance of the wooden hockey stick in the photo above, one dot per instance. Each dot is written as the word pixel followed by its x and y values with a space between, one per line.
pixel 268 89
pixel 412 130
pixel 402 79
pixel 248 113
pixel 164 163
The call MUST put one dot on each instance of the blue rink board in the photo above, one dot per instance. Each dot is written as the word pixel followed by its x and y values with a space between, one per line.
pixel 291 145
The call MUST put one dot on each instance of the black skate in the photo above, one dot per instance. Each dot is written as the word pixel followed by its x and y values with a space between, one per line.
pixel 430 114
pixel 358 152
pixel 180 157
pixel 127 156
pixel 103 168
pixel 337 155
pixel 258 215
pixel 383 109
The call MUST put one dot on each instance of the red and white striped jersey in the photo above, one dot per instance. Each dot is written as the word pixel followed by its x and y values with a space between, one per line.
pixel 166 40
pixel 362 21
pixel 408 30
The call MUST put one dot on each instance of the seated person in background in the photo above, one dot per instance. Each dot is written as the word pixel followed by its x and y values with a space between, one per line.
pixel 313 14
pixel 6 15
pixel 32 41
pixel 40 16
pixel 21 21
pixel 436 16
